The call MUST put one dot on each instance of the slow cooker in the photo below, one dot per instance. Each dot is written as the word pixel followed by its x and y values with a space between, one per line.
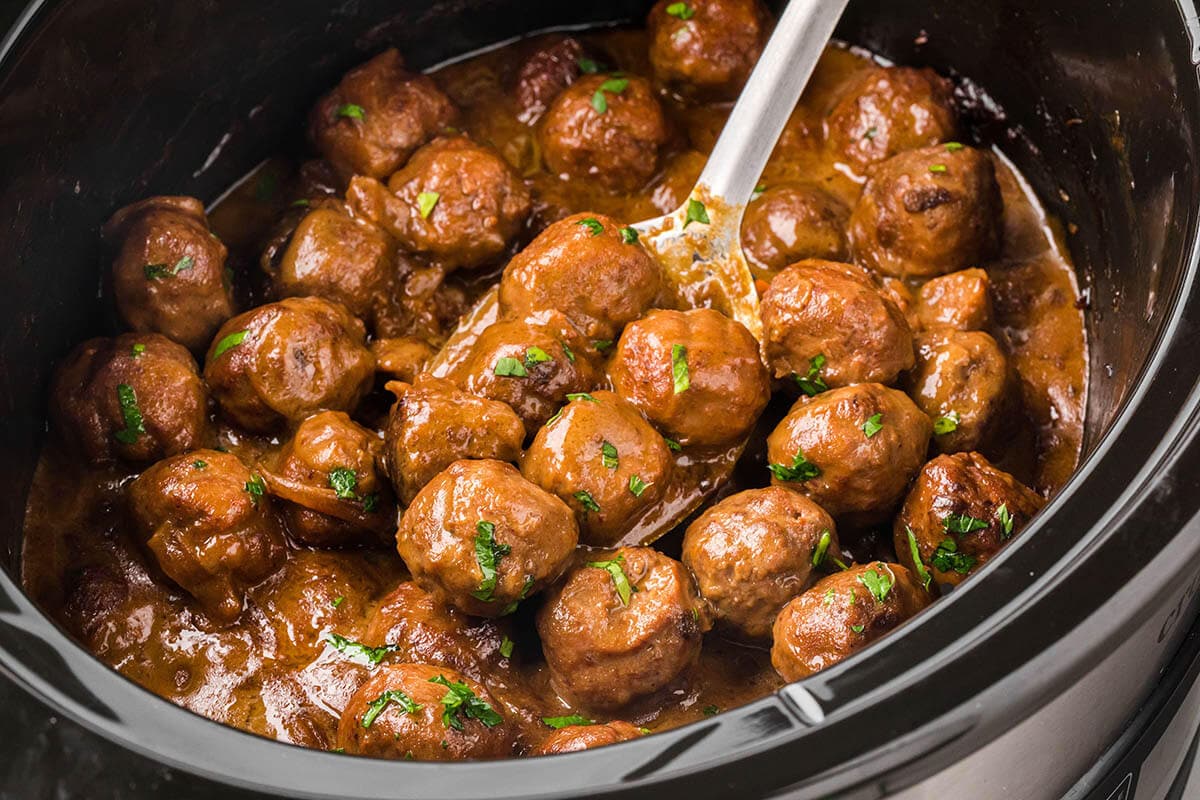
pixel 1067 668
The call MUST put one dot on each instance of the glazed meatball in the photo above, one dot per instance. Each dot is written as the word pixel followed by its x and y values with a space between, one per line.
pixel 588 267
pixel 679 177
pixel 333 493
pixel 960 300
pixel 830 320
pixel 315 593
pixel 928 212
pixel 551 68
pixel 605 461
pixel 530 366
pixel 208 524
pixel 377 116
pixel 168 275
pixel 136 397
pixel 481 538
pixel 960 512
pixel 621 627
pixel 433 424
pixel 695 374
pixel 852 450
pixel 283 361
pixel 707 45
pixel 963 382
pixel 606 130
pixel 337 257
pixel 888 110
pixel 842 614
pixel 574 738
pixel 423 713
pixel 429 632
pixel 754 551
pixel 791 222
pixel 402 357
pixel 455 202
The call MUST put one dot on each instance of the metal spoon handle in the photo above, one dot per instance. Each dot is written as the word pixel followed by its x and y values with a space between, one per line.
pixel 769 97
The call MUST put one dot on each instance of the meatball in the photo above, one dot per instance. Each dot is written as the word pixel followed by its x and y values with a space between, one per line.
pixel 455 202
pixel 137 397
pixel 208 524
pixel 283 361
pixel 423 713
pixel 402 357
pixel 315 593
pixel 605 461
pixel 852 450
pixel 960 300
pixel 481 538
pixel 791 222
pixel 928 212
pixel 828 324
pixel 754 551
pixel 530 366
pixel 339 258
pixel 621 627
pixel 332 490
pixel 168 275
pixel 888 110
pixel 551 68
pixel 574 738
pixel 377 116
pixel 606 130
pixel 707 45
pixel 433 424
pixel 695 374
pixel 428 632
pixel 842 614
pixel 963 382
pixel 960 512
pixel 590 268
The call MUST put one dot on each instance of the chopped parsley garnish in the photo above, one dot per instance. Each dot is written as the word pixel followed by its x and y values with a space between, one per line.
pixel 229 342
pixel 582 396
pixel 586 500
pixel 506 647
pixel 829 595
pixel 557 415
pixel 758 191
pixel 301 203
pixel 337 601
pixel 138 349
pixel 536 355
pixel 344 483
pixel 948 559
pixel 637 485
pixel 625 590
pixel 511 607
pixel 680 374
pixel 1006 520
pixel 710 710
pixel 487 554
pixel 370 503
pixel 255 487
pixel 608 455
pixel 915 552
pixel 157 271
pixel 963 523
pixel 629 235
pixel 563 722
pixel 592 224
pixel 801 470
pixel 858 628
pixel 879 584
pixel 349 647
pixel 681 11
pixel 570 354
pixel 459 702
pixel 948 423
pixel 376 706
pixel 822 548
pixel 351 111
pixel 954 147
pixel 200 464
pixel 131 415
pixel 810 382
pixel 612 86
pixel 673 445
pixel 696 212
pixel 509 367
pixel 426 201
pixel 602 344
pixel 873 425
pixel 588 66
pixel 937 168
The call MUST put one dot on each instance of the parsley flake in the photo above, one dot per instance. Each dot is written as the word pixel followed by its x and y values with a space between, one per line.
pixel 637 485
pixel 594 226
pixel 822 548
pixel 937 168
pixel 229 342
pixel 602 344
pixel 586 500
pixel 588 66
pixel 963 523
pixel 426 201
pixel 810 382
pixel 131 415
pixel 582 396
pixel 349 647
pixel 681 11
pixel 680 374
pixel 612 86
pixel 138 349
pixel 954 147
pixel 200 464
pixel 873 425
pixel 351 111
pixel 459 702
pixel 629 235
pixel 915 552
pixel 947 423
pixel 710 710
pixel 509 367
pixel 947 558
pixel 801 470
pixel 858 628
pixel 256 488
pixel 563 722
pixel 344 483
pixel 673 445
pixel 1006 520
pixel 879 584
pixel 156 272
pixel 506 647
pixel 391 696
pixel 696 212
pixel 487 554
pixel 620 580
pixel 608 455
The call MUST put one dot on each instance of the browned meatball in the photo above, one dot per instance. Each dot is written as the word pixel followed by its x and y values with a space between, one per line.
pixel 695 374
pixel 168 275
pixel 283 361
pixel 423 713
pixel 314 593
pixel 606 130
pixel 574 738
pixel 206 520
pixel 455 201
pixel 337 257
pixel 377 116
pixel 332 490
pixel 481 538
pixel 589 267
pixel 707 45
pixel 960 300
pixel 433 424
pixel 842 614
pixel 550 69
pixel 828 324
pixel 756 550
pixel 853 450
pixel 429 632
pixel 679 177
pixel 928 212
pixel 960 512
pixel 887 110
pixel 605 461
pixel 621 627
pixel 790 222
pixel 963 382
pixel 402 357
pixel 137 397
pixel 530 366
